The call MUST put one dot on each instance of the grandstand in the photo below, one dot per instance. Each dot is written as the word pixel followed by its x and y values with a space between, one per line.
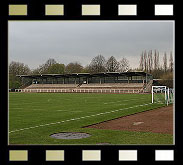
pixel 108 82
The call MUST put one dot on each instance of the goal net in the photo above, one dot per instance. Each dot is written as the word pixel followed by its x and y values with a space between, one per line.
pixel 162 95
pixel 170 95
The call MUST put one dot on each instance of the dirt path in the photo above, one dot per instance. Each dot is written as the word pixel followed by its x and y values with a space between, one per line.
pixel 158 121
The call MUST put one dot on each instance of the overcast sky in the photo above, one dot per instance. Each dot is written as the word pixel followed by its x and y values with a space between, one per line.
pixel 34 42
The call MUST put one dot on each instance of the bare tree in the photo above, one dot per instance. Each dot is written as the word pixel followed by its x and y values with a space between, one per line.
pixel 150 61
pixel 145 61
pixel 156 60
pixel 42 69
pixel 123 65
pixel 171 62
pixel 97 64
pixel 17 68
pixel 165 62
pixel 141 66
pixel 112 64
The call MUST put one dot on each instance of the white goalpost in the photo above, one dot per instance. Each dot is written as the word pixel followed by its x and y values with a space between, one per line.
pixel 162 95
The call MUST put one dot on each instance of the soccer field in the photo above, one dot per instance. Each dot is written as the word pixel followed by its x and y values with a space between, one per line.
pixel 33 117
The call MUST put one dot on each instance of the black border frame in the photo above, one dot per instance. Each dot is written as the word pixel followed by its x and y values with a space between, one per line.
pixel 73 153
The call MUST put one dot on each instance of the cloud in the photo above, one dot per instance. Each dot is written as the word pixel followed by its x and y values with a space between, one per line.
pixel 33 42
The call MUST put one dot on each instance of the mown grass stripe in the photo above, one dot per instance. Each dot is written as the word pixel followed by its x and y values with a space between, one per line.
pixel 43 125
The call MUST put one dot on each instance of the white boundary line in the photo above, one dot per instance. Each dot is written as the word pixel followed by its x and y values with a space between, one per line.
pixel 43 125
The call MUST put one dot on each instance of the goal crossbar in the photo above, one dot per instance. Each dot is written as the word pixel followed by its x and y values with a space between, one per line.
pixel 162 95
pixel 157 88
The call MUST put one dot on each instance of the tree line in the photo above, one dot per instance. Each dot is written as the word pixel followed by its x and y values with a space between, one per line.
pixel 51 66
pixel 98 64
pixel 149 62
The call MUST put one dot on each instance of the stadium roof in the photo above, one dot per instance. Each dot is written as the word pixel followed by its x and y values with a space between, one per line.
pixel 73 75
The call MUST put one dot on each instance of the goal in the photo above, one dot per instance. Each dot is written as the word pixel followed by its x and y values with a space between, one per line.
pixel 162 95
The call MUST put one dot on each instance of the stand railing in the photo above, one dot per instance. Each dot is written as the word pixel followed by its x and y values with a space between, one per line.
pixel 80 90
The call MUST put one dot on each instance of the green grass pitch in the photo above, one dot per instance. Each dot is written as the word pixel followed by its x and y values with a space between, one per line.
pixel 33 117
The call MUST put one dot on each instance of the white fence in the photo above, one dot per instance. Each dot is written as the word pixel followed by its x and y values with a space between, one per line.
pixel 80 90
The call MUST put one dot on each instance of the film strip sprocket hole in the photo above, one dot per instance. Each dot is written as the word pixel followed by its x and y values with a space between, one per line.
pixel 91 155
pixel 90 9
pixel 77 83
